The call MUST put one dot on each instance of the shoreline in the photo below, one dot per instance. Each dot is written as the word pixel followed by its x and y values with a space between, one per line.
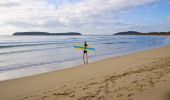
pixel 13 74
pixel 79 65
pixel 58 84
pixel 76 66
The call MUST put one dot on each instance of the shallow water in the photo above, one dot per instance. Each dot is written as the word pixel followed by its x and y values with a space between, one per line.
pixel 22 56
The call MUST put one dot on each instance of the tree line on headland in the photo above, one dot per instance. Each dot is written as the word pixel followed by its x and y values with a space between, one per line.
pixel 140 33
pixel 46 33
pixel 76 33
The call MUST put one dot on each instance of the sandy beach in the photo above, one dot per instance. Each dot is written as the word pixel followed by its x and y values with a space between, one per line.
pixel 139 76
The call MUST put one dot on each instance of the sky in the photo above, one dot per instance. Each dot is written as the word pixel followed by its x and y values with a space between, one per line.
pixel 89 17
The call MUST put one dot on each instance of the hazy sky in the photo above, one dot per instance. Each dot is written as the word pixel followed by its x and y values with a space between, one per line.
pixel 85 16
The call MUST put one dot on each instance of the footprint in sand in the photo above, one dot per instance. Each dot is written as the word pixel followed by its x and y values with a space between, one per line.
pixel 25 98
pixel 129 99
pixel 85 88
pixel 152 84
pixel 55 94
pixel 44 97
pixel 119 95
pixel 72 95
pixel 45 92
pixel 135 81
pixel 168 95
pixel 131 94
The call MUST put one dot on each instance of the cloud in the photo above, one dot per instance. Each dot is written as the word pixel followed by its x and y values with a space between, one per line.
pixel 66 15
pixel 90 8
pixel 11 4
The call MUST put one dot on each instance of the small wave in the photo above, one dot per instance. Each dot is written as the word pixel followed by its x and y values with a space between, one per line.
pixel 23 45
pixel 21 51
pixel 29 65
pixel 116 42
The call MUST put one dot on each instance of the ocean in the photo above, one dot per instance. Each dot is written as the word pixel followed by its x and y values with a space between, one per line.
pixel 22 56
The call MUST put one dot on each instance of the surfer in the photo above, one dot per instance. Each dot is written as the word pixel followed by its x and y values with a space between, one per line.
pixel 85 55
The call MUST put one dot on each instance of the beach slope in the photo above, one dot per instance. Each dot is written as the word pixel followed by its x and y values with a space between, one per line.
pixel 139 76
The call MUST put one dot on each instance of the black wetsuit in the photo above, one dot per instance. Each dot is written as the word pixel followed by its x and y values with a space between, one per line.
pixel 85 46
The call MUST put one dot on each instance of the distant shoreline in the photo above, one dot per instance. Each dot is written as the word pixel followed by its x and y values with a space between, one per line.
pixel 44 33
pixel 140 33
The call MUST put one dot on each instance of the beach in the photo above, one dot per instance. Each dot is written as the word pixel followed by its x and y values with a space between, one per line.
pixel 138 76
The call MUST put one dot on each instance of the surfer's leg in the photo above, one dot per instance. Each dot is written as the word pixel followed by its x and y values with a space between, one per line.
pixel 86 58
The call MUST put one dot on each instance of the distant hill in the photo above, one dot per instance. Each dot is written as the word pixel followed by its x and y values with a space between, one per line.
pixel 45 33
pixel 127 33
pixel 139 33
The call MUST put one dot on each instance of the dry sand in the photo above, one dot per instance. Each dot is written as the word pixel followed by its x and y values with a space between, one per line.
pixel 138 76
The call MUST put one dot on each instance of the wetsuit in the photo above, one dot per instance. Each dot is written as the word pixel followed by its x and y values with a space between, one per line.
pixel 85 46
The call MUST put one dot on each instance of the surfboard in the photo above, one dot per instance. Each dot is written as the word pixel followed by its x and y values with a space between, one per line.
pixel 80 47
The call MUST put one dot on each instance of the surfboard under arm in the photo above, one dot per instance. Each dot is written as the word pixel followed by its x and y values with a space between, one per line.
pixel 82 48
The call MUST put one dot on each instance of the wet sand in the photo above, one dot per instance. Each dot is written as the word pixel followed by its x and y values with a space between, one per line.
pixel 139 76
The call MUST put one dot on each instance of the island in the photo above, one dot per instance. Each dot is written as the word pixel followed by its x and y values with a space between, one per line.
pixel 46 33
pixel 140 33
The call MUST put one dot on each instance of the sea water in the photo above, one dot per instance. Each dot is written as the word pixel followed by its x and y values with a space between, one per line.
pixel 22 56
